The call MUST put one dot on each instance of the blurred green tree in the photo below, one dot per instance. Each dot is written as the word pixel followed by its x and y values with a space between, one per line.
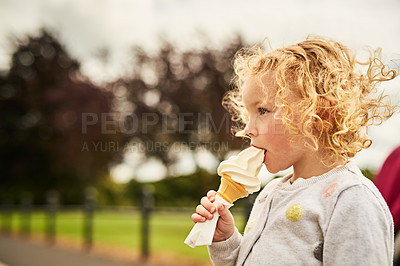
pixel 175 97
pixel 44 143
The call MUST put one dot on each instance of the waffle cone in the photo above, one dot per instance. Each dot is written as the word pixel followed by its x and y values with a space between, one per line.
pixel 230 190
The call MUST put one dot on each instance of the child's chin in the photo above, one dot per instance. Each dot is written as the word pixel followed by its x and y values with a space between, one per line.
pixel 271 169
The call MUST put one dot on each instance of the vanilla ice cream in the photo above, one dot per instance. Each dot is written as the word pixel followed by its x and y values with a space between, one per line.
pixel 244 168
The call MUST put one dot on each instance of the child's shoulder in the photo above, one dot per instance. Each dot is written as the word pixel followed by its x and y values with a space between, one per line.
pixel 351 177
pixel 353 186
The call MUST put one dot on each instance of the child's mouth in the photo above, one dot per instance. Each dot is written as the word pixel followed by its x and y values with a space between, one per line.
pixel 265 151
pixel 265 155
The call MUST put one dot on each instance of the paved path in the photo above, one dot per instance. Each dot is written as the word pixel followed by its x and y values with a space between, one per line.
pixel 17 252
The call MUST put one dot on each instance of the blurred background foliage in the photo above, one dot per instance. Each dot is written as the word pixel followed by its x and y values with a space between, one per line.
pixel 44 99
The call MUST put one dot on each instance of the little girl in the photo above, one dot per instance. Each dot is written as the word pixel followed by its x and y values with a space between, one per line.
pixel 307 107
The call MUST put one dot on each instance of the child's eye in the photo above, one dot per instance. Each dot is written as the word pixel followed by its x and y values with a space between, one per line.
pixel 262 111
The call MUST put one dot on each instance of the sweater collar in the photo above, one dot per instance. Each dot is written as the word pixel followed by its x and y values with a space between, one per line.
pixel 301 182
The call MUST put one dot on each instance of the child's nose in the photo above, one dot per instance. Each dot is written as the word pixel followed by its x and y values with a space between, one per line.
pixel 250 129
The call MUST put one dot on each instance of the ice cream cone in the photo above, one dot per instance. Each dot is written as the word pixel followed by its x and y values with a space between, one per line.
pixel 230 190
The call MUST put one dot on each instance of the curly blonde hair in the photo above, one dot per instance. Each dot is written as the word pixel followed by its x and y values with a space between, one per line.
pixel 337 102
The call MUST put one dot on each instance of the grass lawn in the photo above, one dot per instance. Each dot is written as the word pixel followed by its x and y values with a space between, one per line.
pixel 123 229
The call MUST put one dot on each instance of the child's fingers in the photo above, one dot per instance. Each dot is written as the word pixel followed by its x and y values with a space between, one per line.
pixel 198 218
pixel 205 210
pixel 224 213
pixel 222 210
pixel 211 195
pixel 201 210
pixel 206 203
pixel 226 224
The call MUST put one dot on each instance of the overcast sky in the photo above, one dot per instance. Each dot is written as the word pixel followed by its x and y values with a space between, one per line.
pixel 86 26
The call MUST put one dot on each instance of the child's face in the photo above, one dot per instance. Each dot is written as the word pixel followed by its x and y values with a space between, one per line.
pixel 265 127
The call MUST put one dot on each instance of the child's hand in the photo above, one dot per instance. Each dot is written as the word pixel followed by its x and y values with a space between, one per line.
pixel 204 211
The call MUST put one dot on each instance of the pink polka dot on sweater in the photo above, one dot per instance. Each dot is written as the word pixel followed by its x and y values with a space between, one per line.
pixel 329 190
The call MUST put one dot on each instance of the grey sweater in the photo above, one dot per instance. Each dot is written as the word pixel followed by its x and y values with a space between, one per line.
pixel 338 218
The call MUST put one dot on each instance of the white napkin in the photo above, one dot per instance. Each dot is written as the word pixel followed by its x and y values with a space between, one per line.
pixel 203 233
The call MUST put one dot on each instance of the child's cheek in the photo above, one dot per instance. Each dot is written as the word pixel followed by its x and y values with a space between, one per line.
pixel 263 126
